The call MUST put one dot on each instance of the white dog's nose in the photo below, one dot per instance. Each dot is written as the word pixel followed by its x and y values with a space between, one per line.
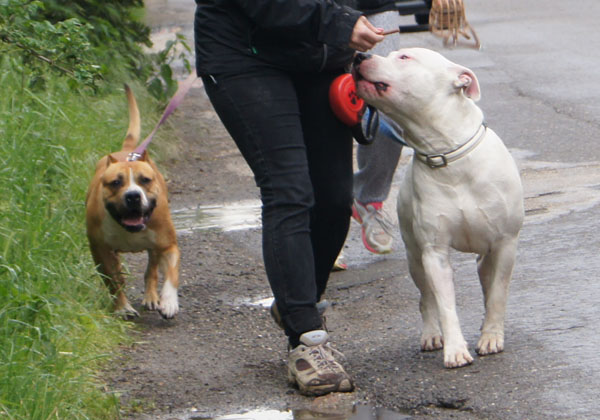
pixel 360 57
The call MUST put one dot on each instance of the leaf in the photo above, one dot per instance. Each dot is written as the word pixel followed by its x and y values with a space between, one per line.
pixel 156 88
pixel 166 73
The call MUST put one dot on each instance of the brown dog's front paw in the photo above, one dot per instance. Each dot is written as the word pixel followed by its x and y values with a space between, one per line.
pixel 127 312
pixel 168 308
pixel 169 301
pixel 151 301
pixel 168 313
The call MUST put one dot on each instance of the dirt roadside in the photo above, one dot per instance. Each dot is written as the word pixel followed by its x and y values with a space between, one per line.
pixel 221 356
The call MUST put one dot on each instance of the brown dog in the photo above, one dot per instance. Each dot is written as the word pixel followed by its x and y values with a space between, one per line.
pixel 127 210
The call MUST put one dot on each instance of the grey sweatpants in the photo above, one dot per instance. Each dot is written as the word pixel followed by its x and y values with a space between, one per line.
pixel 377 162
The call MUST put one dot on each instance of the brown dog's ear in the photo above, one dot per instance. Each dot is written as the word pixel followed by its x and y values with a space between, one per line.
pixel 467 81
pixel 110 160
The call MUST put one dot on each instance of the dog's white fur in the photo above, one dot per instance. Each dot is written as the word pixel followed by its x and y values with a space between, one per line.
pixel 475 204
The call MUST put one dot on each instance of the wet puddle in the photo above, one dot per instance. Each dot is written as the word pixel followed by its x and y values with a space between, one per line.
pixel 227 217
pixel 261 302
pixel 551 190
pixel 356 412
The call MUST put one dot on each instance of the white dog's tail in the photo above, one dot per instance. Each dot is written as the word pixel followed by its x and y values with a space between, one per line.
pixel 133 132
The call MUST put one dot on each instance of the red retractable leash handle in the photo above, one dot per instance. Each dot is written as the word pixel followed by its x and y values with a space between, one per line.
pixel 349 108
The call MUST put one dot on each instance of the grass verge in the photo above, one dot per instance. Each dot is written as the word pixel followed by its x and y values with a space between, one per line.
pixel 56 333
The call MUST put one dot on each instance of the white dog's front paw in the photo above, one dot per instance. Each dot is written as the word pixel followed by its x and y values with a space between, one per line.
pixel 431 342
pixel 457 356
pixel 169 302
pixel 490 343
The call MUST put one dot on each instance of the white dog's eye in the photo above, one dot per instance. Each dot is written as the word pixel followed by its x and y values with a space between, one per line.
pixel 404 57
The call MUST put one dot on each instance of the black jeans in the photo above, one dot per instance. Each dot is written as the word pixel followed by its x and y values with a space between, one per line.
pixel 301 157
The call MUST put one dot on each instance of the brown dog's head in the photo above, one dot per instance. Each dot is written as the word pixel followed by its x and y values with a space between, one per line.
pixel 129 188
pixel 130 191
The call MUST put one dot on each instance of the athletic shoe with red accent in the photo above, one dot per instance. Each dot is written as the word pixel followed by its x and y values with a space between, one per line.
pixel 376 231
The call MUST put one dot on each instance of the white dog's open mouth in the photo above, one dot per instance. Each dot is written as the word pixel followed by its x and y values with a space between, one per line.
pixel 378 85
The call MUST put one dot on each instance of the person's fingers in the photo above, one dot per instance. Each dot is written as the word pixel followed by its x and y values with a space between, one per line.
pixel 372 27
pixel 364 43
pixel 365 35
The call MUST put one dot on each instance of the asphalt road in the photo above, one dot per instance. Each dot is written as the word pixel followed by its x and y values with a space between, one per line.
pixel 538 71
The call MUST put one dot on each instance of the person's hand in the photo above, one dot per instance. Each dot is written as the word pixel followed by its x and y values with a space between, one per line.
pixel 365 35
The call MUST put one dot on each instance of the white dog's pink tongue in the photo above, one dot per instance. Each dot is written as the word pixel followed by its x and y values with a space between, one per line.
pixel 133 221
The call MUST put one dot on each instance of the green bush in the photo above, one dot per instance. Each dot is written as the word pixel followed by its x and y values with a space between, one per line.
pixel 62 65
pixel 114 31
pixel 55 329
pixel 88 41
pixel 38 44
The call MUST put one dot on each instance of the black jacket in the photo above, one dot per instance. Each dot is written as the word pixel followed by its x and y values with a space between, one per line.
pixel 296 35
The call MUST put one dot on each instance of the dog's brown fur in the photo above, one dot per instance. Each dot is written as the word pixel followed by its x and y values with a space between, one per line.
pixel 127 210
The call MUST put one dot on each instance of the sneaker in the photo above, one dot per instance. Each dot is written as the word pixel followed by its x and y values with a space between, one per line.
pixel 375 229
pixel 275 315
pixel 313 368
pixel 340 263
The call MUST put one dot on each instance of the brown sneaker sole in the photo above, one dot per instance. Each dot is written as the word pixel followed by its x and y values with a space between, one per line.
pixel 344 385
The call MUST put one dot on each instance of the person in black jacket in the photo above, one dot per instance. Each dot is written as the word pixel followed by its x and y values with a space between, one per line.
pixel 267 66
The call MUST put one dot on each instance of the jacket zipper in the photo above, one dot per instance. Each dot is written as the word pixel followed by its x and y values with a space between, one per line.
pixel 324 61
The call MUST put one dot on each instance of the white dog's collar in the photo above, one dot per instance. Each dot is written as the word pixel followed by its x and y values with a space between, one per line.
pixel 440 160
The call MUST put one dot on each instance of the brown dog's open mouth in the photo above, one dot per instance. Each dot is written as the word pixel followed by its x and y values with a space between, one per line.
pixel 130 220
pixel 135 221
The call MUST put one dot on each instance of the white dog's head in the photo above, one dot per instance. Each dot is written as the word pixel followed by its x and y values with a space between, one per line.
pixel 411 80
pixel 417 87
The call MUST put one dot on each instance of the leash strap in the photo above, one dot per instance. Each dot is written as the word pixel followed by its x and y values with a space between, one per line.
pixel 385 129
pixel 370 120
pixel 182 90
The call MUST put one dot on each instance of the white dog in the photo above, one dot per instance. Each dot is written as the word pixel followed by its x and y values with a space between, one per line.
pixel 462 190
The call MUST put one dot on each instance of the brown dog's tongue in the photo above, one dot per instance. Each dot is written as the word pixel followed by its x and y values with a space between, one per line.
pixel 133 221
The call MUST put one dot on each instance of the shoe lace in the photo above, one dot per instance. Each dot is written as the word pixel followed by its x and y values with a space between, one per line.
pixel 323 356
pixel 373 213
pixel 334 352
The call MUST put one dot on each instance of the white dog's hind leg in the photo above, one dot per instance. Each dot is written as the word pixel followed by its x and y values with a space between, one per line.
pixel 495 270
pixel 438 274
pixel 431 337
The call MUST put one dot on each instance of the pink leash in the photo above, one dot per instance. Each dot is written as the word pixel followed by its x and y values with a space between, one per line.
pixel 182 90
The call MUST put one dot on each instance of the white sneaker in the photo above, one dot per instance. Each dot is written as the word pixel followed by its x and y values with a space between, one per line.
pixel 313 368
pixel 376 234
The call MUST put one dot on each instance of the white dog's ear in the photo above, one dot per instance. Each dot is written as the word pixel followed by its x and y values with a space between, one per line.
pixel 467 81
